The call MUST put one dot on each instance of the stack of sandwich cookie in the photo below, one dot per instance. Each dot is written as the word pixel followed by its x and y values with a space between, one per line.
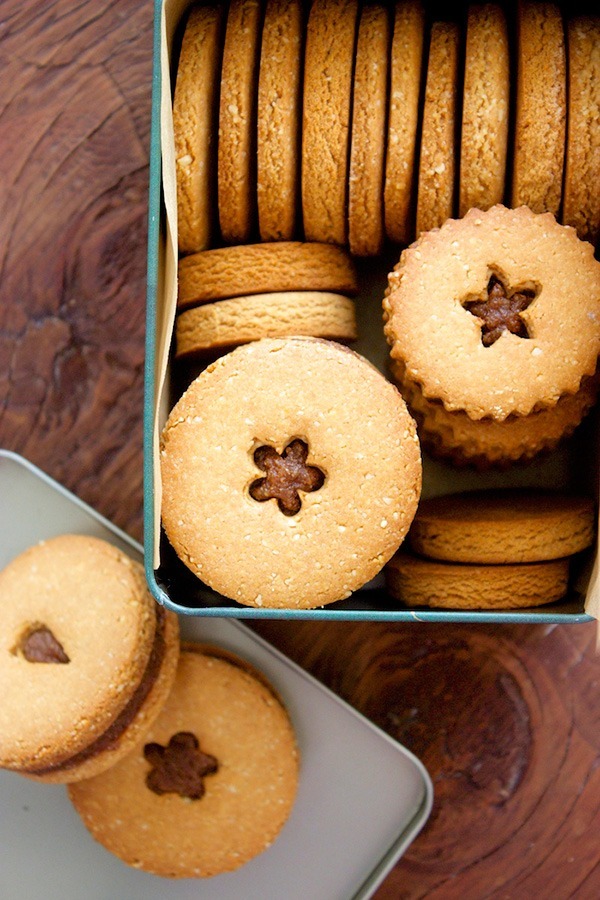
pixel 87 658
pixel 233 295
pixel 500 549
pixel 212 783
pixel 495 340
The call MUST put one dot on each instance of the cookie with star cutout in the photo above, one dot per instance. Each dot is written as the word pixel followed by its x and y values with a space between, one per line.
pixel 291 471
pixel 495 327
pixel 211 785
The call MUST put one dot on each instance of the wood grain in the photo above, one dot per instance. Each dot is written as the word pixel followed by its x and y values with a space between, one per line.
pixel 506 719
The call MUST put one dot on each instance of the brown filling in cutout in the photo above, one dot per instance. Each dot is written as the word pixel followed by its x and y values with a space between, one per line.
pixel 286 475
pixel 500 311
pixel 38 645
pixel 180 767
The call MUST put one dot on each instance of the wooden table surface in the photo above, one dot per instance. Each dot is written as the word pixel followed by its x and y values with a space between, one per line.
pixel 506 719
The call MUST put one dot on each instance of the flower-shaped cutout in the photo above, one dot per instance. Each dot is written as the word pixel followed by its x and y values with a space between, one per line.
pixel 286 475
pixel 501 310
pixel 180 767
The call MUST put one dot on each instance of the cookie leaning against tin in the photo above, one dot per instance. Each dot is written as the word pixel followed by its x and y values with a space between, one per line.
pixel 502 526
pixel 581 200
pixel 87 658
pixel 229 323
pixel 424 582
pixel 436 180
pixel 367 150
pixel 263 268
pixel 496 327
pixel 484 132
pixel 213 782
pixel 290 473
pixel 195 107
pixel 406 59
pixel 327 104
pixel 279 114
pixel 541 108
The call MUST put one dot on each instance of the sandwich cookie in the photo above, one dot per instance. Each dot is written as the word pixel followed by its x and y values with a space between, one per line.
pixel 291 472
pixel 87 658
pixel 210 786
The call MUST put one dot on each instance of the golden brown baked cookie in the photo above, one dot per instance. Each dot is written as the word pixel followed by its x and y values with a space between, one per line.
pixel 229 323
pixel 406 63
pixel 485 110
pixel 502 526
pixel 290 473
pixel 327 96
pixel 424 582
pixel 435 192
pixel 367 150
pixel 212 784
pixel 195 106
pixel 87 659
pixel 484 442
pixel 541 108
pixel 279 112
pixel 236 155
pixel 581 200
pixel 262 268
pixel 497 313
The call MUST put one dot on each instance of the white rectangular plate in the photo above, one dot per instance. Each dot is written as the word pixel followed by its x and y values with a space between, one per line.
pixel 362 797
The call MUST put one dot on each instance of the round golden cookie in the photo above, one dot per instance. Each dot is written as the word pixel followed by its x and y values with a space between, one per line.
pixel 484 442
pixel 423 582
pixel 367 151
pixel 229 323
pixel 87 658
pixel 435 191
pixel 406 62
pixel 502 526
pixel 439 337
pixel 195 107
pixel 279 105
pixel 290 473
pixel 262 268
pixel 581 200
pixel 212 784
pixel 236 153
pixel 541 108
pixel 485 111
pixel 327 104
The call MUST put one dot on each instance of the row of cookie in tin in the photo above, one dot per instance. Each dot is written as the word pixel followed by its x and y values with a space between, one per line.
pixel 352 123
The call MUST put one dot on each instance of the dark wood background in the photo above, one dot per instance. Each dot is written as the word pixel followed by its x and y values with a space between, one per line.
pixel 506 719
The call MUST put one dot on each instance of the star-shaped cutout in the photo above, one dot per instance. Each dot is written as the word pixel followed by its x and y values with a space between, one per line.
pixel 286 475
pixel 501 310
pixel 180 767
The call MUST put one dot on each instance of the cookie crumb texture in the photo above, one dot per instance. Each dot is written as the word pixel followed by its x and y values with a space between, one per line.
pixel 246 749
pixel 359 435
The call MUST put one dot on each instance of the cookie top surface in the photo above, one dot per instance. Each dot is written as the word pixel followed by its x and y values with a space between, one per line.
pixel 78 627
pixel 503 526
pixel 436 332
pixel 211 785
pixel 261 401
